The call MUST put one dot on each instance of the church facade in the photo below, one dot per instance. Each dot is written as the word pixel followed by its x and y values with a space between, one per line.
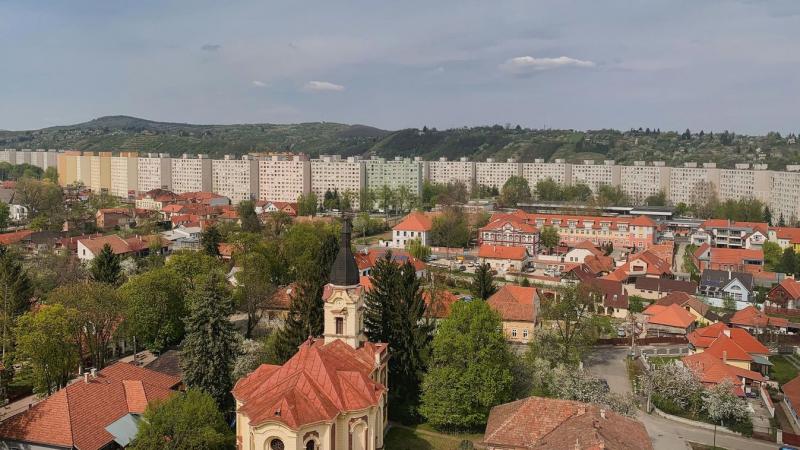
pixel 332 394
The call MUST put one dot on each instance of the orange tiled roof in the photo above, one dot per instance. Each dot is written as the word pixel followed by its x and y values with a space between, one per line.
pixel 317 384
pixel 77 415
pixel 548 219
pixel 791 287
pixel 792 390
pixel 415 221
pixel 735 255
pixel 502 252
pixel 711 370
pixel 515 303
pixel 790 234
pixel 441 308
pixel 537 423
pixel 14 237
pixel 671 316
pixel 725 223
pixel 723 347
pixel 683 299
pixel 118 245
pixel 516 224
pixel 753 317
pixel 367 260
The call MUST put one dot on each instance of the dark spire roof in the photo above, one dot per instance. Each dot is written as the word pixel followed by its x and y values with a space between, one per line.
pixel 344 271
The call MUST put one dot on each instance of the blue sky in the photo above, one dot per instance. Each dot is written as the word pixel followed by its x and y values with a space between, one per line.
pixel 564 64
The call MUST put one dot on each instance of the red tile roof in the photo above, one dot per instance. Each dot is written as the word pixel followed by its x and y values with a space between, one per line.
pixel 317 384
pixel 545 423
pixel 790 234
pixel 753 317
pixel 77 415
pixel 671 316
pixel 791 287
pixel 515 303
pixel 723 348
pixel 683 299
pixel 441 308
pixel 514 223
pixel 118 245
pixel 415 221
pixel 735 255
pixel 502 252
pixel 14 237
pixel 792 390
pixel 596 221
pixel 711 370
pixel 367 260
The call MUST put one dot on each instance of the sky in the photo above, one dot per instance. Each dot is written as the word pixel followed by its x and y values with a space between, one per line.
pixel 669 64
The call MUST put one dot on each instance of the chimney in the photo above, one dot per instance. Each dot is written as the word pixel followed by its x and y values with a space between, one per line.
pixel 86 377
pixel 725 356
pixel 727 332
pixel 602 413
pixel 94 373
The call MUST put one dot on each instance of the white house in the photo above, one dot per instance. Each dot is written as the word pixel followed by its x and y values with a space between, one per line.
pixel 416 225
pixel 504 259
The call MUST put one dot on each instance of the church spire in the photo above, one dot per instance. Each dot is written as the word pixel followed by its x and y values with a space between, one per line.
pixel 344 271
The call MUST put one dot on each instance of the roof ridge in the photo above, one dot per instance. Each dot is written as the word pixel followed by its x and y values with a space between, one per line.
pixel 69 414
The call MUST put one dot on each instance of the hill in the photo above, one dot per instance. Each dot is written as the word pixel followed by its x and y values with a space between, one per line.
pixel 124 133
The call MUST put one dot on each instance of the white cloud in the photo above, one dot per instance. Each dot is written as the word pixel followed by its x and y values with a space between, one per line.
pixel 523 65
pixel 260 84
pixel 323 86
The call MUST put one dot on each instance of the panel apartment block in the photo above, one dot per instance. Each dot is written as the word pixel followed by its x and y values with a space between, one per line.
pixel 191 174
pixel 100 172
pixel 596 175
pixel 690 183
pixel 125 174
pixel 744 182
pixel 785 197
pixel 444 171
pixel 234 178
pixel 558 171
pixel 155 172
pixel 283 178
pixel 331 172
pixel 394 173
pixel 492 173
pixel 640 181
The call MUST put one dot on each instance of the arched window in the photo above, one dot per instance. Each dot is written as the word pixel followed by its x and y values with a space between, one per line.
pixel 311 445
pixel 276 444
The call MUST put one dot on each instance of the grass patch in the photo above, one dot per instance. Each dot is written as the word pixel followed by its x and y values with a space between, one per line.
pixel 634 370
pixel 782 370
pixel 418 438
pixel 697 446
pixel 659 361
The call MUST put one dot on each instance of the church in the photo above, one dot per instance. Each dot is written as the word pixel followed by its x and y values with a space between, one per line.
pixel 332 394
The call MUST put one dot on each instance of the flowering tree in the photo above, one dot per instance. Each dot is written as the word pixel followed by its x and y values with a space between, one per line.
pixel 722 405
pixel 672 382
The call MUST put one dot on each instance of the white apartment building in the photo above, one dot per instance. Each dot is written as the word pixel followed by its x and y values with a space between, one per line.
pixel 394 173
pixel 743 182
pixel 495 174
pixel 40 158
pixel 234 178
pixel 283 178
pixel 8 155
pixel 191 174
pixel 125 174
pixel 640 181
pixel 558 171
pixel 689 183
pixel 444 171
pixel 44 158
pixel 331 172
pixel 785 196
pixel 155 172
pixel 595 175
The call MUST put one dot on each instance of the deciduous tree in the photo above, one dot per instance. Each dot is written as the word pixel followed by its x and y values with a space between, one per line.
pixel 549 238
pixel 154 308
pixel 515 191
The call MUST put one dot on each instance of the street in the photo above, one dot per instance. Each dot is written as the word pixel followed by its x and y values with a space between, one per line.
pixel 609 363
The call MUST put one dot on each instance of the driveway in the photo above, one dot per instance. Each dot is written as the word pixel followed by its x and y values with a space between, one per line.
pixel 609 363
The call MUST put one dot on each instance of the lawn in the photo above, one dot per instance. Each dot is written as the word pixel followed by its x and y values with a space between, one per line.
pixel 662 360
pixel 423 437
pixel 782 370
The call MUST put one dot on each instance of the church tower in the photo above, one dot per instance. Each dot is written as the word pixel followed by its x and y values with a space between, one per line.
pixel 344 296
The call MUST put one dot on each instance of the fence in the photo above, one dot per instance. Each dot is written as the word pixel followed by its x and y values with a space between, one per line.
pixel 767 400
pixel 644 341
pixel 791 439
pixel 782 311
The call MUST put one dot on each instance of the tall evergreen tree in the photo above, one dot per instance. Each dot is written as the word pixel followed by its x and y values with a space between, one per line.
pixel 210 346
pixel 247 214
pixel 105 266
pixel 305 316
pixel 781 221
pixel 788 262
pixel 483 283
pixel 210 240
pixel 15 293
pixel 767 215
pixel 395 313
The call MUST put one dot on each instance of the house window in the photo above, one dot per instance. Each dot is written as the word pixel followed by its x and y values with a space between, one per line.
pixel 525 333
pixel 276 444
pixel 514 333
pixel 339 325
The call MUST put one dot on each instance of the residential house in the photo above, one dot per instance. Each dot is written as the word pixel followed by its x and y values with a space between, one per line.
pixel 504 259
pixel 655 288
pixel 702 312
pixel 289 208
pixel 183 237
pixel 203 198
pixel 15 237
pixel 416 225
pixel 791 397
pixel 668 320
pixel 613 298
pixel 711 370
pixel 646 264
pixel 724 284
pixel 785 237
pixel 99 412
pixel 731 234
pixel 155 199
pixel 537 423
pixel 733 259
pixel 439 309
pixel 585 252
pixel 510 231
pixel 756 321
pixel 734 346
pixel 89 247
pixel 784 295
pixel 332 393
pixel 108 218
pixel 518 307
pixel 366 260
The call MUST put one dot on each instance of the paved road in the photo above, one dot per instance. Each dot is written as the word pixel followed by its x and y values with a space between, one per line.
pixel 609 363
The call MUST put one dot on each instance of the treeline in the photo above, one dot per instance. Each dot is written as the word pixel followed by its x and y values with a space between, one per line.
pixel 18 171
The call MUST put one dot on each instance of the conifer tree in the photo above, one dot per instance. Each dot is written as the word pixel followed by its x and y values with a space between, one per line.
pixel 105 266
pixel 210 346
pixel 767 215
pixel 483 283
pixel 395 314
pixel 210 240
pixel 15 293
